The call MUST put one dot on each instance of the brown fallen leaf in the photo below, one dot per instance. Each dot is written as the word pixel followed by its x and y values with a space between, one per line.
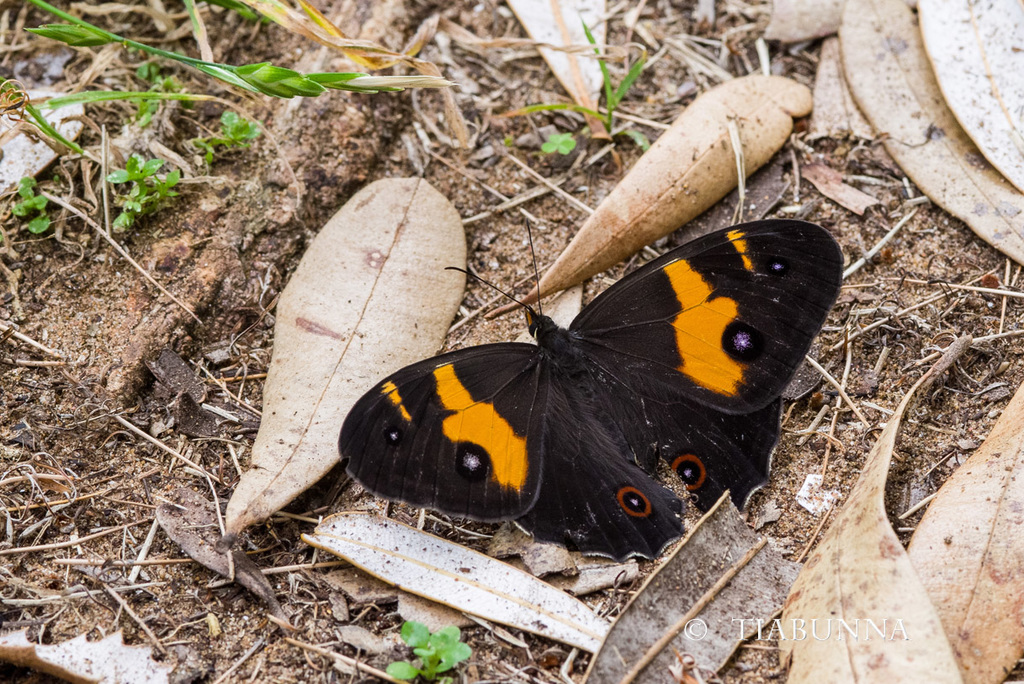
pixel 191 523
pixel 723 572
pixel 891 79
pixel 371 295
pixel 976 53
pixel 859 572
pixel 796 20
pixel 968 551
pixel 85 662
pixel 835 113
pixel 689 168
pixel 829 183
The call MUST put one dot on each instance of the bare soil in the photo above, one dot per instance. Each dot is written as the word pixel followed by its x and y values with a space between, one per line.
pixel 226 247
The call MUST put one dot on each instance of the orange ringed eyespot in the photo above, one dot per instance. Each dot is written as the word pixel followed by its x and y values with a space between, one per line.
pixel 633 502
pixel 691 470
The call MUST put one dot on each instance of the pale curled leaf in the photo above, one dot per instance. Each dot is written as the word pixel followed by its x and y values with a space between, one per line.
pixel 458 577
pixel 796 20
pixel 107 661
pixel 688 169
pixel 835 113
pixel 370 296
pixel 560 22
pixel 892 81
pixel 968 551
pixel 859 572
pixel 718 543
pixel 976 53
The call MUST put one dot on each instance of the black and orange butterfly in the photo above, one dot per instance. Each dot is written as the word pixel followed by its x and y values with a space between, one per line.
pixel 682 360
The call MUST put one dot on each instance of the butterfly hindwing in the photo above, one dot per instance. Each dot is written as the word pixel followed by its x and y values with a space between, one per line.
pixel 593 497
pixel 724 320
pixel 460 433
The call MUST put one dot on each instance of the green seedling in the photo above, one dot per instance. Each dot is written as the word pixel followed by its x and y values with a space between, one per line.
pixel 147 193
pixel 438 652
pixel 32 207
pixel 562 143
pixel 612 95
pixel 150 71
pixel 236 131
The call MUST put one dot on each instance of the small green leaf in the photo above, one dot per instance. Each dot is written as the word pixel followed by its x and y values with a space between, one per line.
pixel 26 186
pixel 415 634
pixel 152 166
pixel 76 36
pixel 402 670
pixel 639 138
pixel 118 177
pixel 39 224
pixel 562 143
pixel 124 221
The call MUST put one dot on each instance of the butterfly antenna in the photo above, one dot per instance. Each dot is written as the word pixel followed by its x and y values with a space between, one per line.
pixel 536 271
pixel 492 286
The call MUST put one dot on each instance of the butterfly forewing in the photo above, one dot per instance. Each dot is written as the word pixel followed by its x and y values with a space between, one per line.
pixel 460 433
pixel 725 322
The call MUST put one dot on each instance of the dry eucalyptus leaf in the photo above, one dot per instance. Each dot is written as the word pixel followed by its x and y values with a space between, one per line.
pixel 796 20
pixel 968 551
pixel 435 616
pixel 977 53
pixel 829 183
pixel 859 572
pixel 690 167
pixel 595 574
pixel 560 22
pixel 21 155
pixel 107 661
pixel 458 577
pixel 835 113
pixel 651 628
pixel 370 296
pixel 191 523
pixel 892 81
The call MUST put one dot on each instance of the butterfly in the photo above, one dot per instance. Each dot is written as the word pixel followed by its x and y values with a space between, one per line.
pixel 682 361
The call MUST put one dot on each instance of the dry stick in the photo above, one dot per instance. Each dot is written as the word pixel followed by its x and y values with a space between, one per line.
pixel 92 562
pixel 360 667
pixel 835 415
pixel 554 188
pixel 969 288
pixel 73 542
pixel 859 263
pixel 238 663
pixel 817 531
pixel 133 576
pixel 120 250
pixel 694 610
pixel 839 388
pixel 83 593
pixel 138 620
pixel 156 442
pixel 4 328
pixel 59 502
pixel 485 186
pixel 918 506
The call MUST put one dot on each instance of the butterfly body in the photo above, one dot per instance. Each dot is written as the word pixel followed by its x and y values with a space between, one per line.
pixel 681 361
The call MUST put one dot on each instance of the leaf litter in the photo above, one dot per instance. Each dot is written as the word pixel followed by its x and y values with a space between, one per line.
pixel 882 313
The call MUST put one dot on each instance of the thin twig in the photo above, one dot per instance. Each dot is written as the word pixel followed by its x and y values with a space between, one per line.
pixel 156 442
pixel 72 542
pixel 361 667
pixel 870 254
pixel 839 388
pixel 139 621
pixel 120 250
pixel 238 663
pixel 694 610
